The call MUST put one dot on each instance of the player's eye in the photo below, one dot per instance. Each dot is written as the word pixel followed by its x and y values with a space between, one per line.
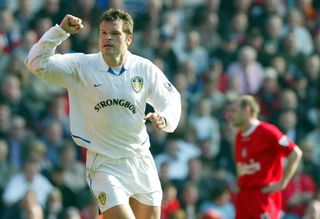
pixel 116 33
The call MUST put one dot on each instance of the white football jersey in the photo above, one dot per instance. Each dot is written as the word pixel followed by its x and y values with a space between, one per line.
pixel 106 109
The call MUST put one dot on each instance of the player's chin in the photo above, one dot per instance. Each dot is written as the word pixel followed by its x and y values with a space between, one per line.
pixel 105 50
pixel 236 123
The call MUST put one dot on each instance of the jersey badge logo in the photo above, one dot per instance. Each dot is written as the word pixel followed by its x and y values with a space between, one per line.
pixel 137 84
pixel 284 141
pixel 168 86
pixel 244 152
pixel 102 198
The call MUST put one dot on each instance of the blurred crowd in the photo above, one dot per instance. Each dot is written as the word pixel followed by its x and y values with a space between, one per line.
pixel 212 51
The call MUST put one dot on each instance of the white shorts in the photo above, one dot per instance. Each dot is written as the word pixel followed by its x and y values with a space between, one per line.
pixel 113 181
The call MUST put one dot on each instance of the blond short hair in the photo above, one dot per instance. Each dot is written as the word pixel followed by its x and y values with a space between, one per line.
pixel 250 101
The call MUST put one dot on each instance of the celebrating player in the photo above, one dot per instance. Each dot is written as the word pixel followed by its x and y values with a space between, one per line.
pixel 259 151
pixel 108 92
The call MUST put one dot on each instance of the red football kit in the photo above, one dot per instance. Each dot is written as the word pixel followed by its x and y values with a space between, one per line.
pixel 261 149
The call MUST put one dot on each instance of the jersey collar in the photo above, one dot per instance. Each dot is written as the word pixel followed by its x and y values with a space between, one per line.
pixel 251 129
pixel 123 69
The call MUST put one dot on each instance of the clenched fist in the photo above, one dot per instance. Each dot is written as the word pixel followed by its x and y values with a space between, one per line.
pixel 71 24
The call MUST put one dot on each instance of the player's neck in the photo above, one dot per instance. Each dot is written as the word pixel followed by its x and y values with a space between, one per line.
pixel 115 61
pixel 248 124
pixel 245 127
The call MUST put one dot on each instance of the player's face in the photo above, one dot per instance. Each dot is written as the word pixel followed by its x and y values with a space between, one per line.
pixel 112 40
pixel 236 114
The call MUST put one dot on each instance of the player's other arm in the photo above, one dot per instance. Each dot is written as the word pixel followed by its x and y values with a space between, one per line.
pixel 291 167
pixel 42 60
pixel 166 101
pixel 168 118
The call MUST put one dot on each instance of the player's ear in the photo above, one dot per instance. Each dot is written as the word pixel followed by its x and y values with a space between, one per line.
pixel 129 39
pixel 247 109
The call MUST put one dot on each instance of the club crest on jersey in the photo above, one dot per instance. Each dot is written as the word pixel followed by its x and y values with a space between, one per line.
pixel 137 83
pixel 102 198
pixel 244 152
pixel 284 141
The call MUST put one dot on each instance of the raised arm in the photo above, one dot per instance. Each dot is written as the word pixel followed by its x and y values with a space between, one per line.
pixel 42 60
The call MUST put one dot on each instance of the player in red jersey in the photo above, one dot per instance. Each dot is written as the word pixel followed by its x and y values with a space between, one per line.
pixel 259 151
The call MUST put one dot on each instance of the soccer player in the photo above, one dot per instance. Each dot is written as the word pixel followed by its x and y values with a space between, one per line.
pixel 259 151
pixel 108 92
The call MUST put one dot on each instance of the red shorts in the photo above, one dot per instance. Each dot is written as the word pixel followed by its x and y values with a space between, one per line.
pixel 253 204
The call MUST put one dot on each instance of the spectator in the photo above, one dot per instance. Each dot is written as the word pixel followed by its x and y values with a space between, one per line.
pixel 176 160
pixel 51 9
pixel 10 34
pixel 87 10
pixel 189 200
pixel 53 138
pixel 312 73
pixel 28 39
pixel 239 26
pixel 273 38
pixel 288 124
pixel 24 14
pixel 227 50
pixel 208 30
pixel 36 149
pixel 164 51
pixel 303 37
pixel 150 17
pixel 201 12
pixel 29 179
pixel 313 137
pixel 297 194
pixel 54 205
pixel 7 169
pixel 157 139
pixel 17 138
pixel 206 126
pixel 5 119
pixel 57 110
pixel 220 202
pixel 246 73
pixel 56 177
pixel 89 209
pixel 170 203
pixel 192 50
pixel 309 166
pixel 225 159
pixel 269 93
pixel 12 93
pixel 26 208
pixel 74 170
pixel 291 53
pixel 210 91
pixel 313 209
pixel 71 213
pixel 178 214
